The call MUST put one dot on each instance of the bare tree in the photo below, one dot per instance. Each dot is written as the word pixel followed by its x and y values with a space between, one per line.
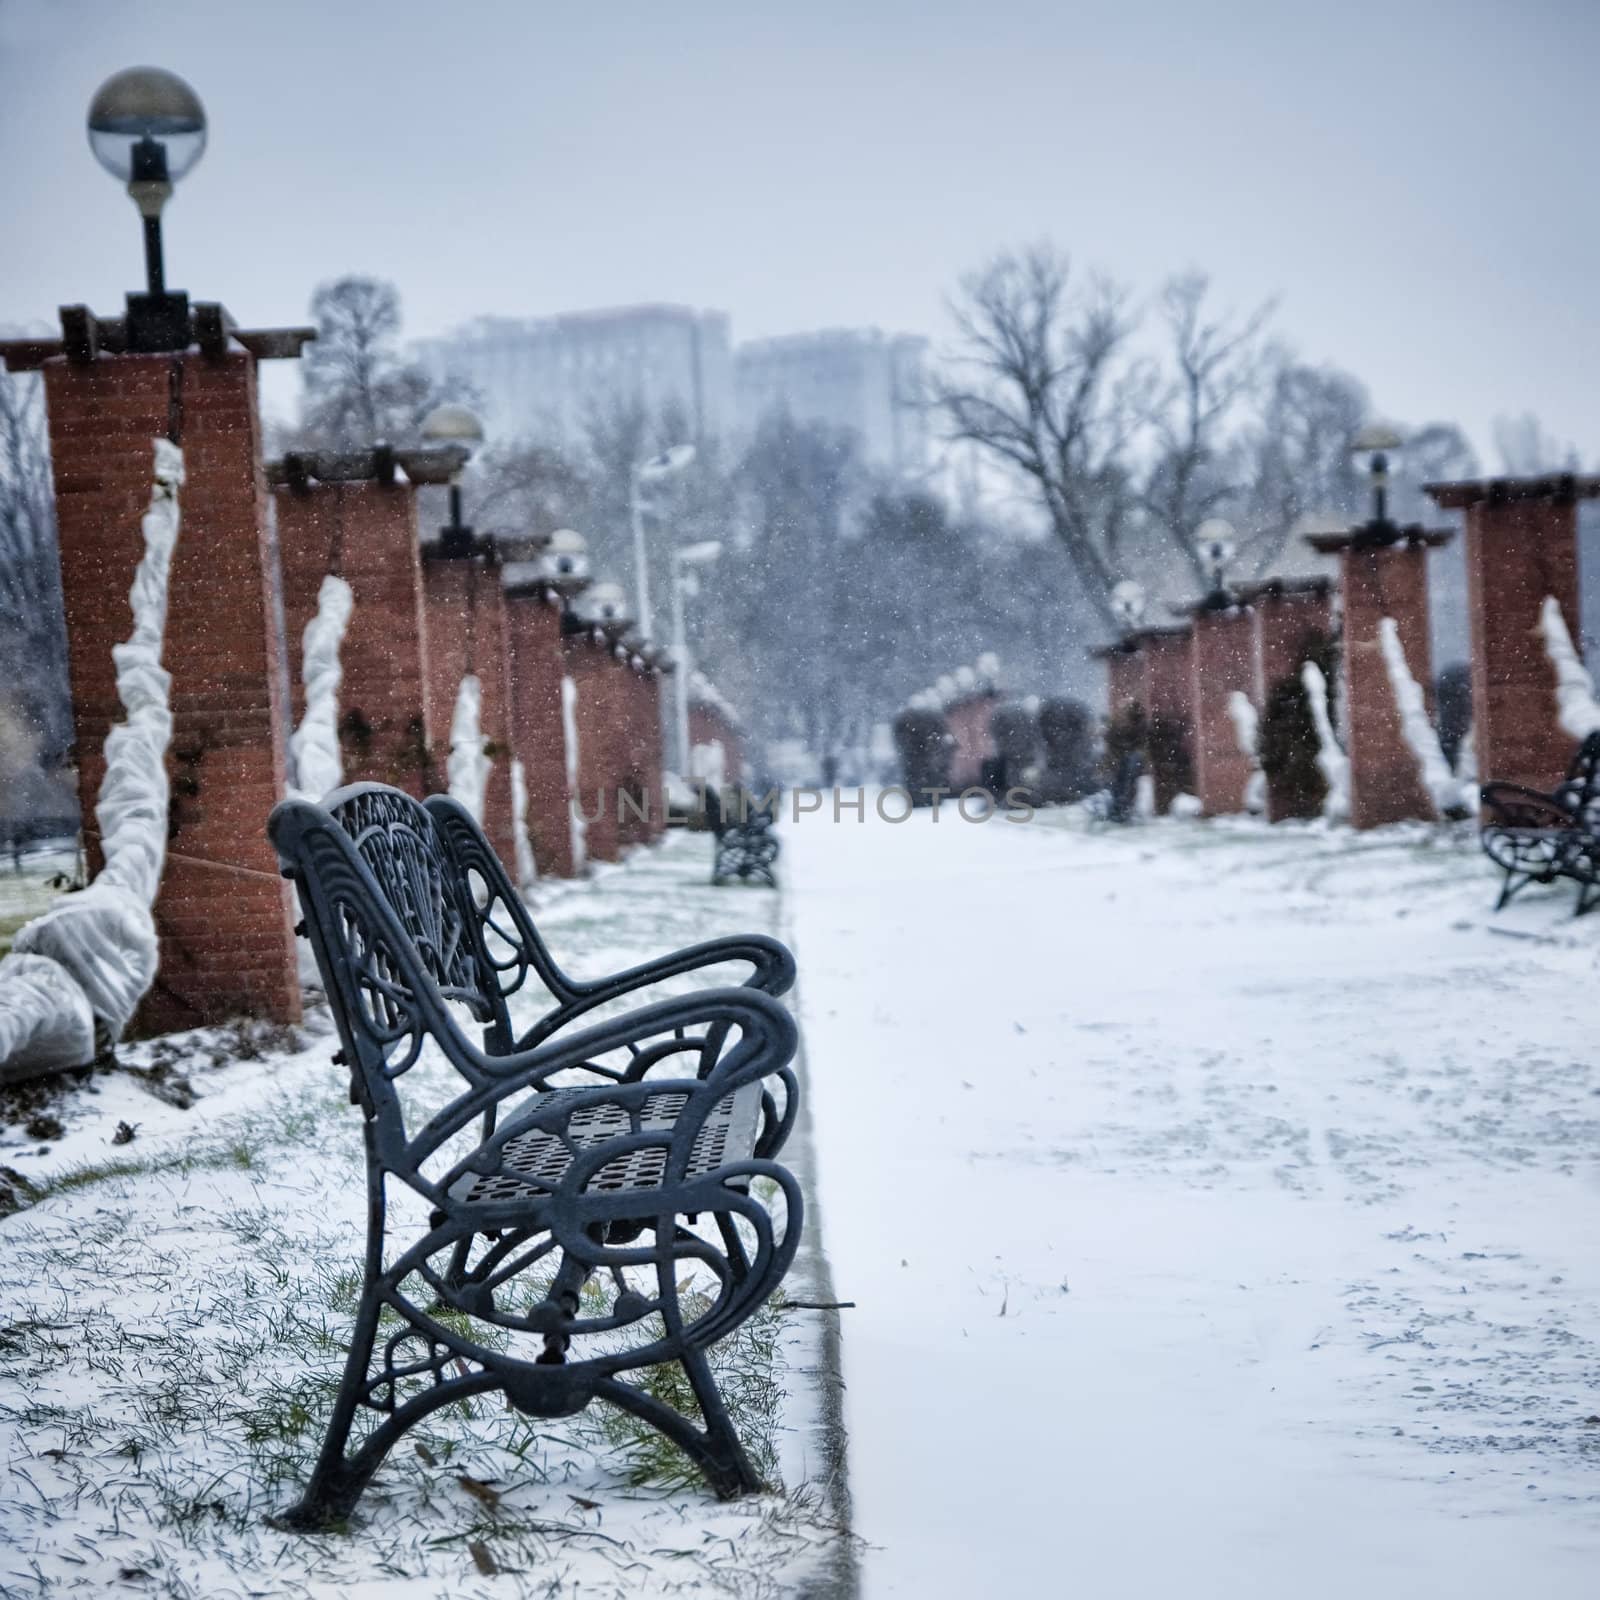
pixel 1297 456
pixel 33 645
pixel 1526 449
pixel 359 391
pixel 1045 383
pixel 1217 368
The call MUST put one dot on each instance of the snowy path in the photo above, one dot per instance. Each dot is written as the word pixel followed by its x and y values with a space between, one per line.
pixel 1220 1207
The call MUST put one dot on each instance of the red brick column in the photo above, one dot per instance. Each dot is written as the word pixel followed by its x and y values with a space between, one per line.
pixel 642 784
pixel 652 690
pixel 533 632
pixel 366 533
pixel 1522 545
pixel 1222 660
pixel 1124 678
pixel 1289 623
pixel 599 717
pixel 707 725
pixel 968 722
pixel 465 622
pixel 226 945
pixel 1384 580
pixel 1167 693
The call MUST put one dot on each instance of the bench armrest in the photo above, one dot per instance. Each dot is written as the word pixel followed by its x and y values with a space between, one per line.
pixel 525 951
pixel 772 972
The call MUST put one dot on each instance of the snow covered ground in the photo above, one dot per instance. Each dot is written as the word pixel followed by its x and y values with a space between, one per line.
pixel 173 1312
pixel 24 894
pixel 1219 1203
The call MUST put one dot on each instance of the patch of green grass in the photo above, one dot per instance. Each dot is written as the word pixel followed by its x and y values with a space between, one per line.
pixel 746 1368
pixel 8 929
pixel 239 1154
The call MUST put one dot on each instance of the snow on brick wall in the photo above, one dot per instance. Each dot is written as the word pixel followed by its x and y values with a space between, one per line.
pixel 318 765
pixel 1333 763
pixel 1441 784
pixel 1577 710
pixel 468 765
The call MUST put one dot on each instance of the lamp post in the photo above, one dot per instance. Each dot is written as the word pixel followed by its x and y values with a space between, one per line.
pixel 452 424
pixel 147 128
pixel 1214 540
pixel 1127 605
pixel 652 470
pixel 1376 442
pixel 685 558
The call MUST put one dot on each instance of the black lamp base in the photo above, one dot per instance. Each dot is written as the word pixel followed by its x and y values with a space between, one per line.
pixel 158 322
pixel 456 542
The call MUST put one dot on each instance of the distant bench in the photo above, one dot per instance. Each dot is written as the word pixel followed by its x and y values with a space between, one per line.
pixel 746 848
pixel 1535 837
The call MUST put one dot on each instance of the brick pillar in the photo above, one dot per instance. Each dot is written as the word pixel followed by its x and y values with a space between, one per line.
pixel 652 691
pixel 226 945
pixel 533 632
pixel 1124 678
pixel 1167 692
pixel 642 785
pixel 598 717
pixel 1293 621
pixel 1222 660
pixel 465 621
pixel 1384 580
pixel 968 721
pixel 1289 624
pixel 1522 545
pixel 366 533
pixel 708 725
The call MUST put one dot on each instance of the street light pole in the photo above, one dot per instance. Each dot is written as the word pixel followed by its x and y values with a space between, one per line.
pixel 665 465
pixel 680 679
pixel 641 567
pixel 685 556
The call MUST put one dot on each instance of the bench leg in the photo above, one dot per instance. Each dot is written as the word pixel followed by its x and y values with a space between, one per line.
pixel 331 1494
pixel 722 1459
pixel 715 1450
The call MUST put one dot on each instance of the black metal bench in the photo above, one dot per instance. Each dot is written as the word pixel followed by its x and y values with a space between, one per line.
pixel 1535 837
pixel 744 843
pixel 591 1196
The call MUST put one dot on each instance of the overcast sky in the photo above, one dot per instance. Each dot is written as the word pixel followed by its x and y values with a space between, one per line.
pixel 1415 182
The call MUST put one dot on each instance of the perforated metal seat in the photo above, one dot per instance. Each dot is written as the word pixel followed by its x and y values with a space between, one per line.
pixel 534 1162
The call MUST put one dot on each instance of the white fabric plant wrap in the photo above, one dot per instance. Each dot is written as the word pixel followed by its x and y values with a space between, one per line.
pixel 1444 790
pixel 1577 710
pixel 1333 763
pixel 527 871
pixel 468 765
pixel 569 740
pixel 103 938
pixel 318 764
pixel 314 750
pixel 1247 731
pixel 45 1021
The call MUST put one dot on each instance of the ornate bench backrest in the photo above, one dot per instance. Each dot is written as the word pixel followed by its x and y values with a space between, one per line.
pixel 366 847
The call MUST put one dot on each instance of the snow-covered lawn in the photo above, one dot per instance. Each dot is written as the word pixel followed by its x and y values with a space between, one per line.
pixel 1220 1207
pixel 24 894
pixel 173 1312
